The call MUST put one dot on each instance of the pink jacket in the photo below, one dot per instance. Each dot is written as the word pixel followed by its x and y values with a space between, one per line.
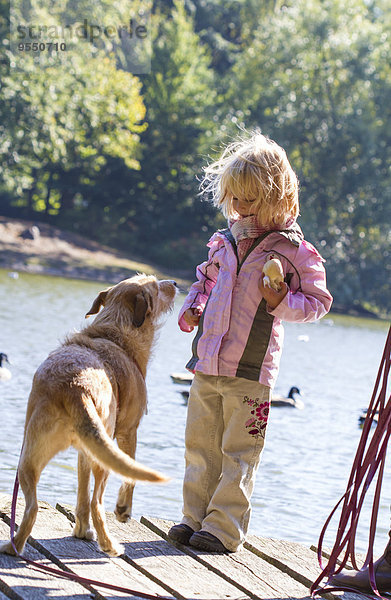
pixel 238 335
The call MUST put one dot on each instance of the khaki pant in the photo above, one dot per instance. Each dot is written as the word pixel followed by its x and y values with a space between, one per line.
pixel 225 433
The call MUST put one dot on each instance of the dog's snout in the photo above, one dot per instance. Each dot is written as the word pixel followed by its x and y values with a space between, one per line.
pixel 170 289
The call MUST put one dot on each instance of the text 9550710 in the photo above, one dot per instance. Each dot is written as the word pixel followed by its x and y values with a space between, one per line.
pixel 42 46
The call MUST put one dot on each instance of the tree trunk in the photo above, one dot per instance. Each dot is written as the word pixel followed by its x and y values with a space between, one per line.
pixel 30 193
pixel 48 192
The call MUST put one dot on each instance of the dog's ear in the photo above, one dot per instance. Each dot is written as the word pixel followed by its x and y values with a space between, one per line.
pixel 141 307
pixel 98 302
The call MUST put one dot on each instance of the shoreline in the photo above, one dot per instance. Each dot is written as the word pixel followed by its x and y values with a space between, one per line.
pixel 41 249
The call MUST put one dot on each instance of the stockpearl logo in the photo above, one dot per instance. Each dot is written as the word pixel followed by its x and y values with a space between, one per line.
pixel 51 34
pixel 86 30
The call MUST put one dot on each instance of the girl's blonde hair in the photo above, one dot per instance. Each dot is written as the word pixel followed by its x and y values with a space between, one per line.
pixel 255 168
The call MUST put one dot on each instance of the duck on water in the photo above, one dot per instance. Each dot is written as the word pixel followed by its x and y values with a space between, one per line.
pixel 5 373
pixel 291 400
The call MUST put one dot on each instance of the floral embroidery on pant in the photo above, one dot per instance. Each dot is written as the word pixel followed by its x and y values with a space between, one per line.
pixel 256 424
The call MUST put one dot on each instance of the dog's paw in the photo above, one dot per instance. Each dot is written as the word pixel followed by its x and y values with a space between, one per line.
pixel 123 513
pixel 90 534
pixel 7 548
pixel 83 533
pixel 113 549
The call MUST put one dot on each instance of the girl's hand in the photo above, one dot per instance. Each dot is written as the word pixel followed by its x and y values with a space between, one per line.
pixel 272 297
pixel 192 316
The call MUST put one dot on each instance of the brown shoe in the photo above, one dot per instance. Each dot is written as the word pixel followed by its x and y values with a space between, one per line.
pixel 203 540
pixel 180 533
pixel 360 579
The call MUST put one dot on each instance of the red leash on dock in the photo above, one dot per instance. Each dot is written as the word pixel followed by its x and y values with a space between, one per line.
pixel 64 574
pixel 370 459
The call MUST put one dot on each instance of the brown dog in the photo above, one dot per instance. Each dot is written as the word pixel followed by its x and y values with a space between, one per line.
pixel 88 391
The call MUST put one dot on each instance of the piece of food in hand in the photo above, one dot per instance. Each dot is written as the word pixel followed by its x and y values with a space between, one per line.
pixel 273 274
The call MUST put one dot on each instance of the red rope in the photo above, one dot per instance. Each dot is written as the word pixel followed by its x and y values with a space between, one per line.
pixel 370 459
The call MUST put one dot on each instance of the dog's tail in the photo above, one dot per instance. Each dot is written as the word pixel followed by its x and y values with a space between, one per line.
pixel 96 441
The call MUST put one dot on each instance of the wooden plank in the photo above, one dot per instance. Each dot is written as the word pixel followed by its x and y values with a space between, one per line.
pixel 326 554
pixel 250 573
pixel 22 582
pixel 52 536
pixel 167 564
pixel 293 558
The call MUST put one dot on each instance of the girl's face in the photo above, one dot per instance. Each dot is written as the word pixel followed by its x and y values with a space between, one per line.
pixel 244 208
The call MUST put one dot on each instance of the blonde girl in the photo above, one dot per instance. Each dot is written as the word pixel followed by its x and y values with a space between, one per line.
pixel 237 348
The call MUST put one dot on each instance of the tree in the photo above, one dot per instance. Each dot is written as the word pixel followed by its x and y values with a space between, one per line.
pixel 227 26
pixel 164 212
pixel 317 79
pixel 62 122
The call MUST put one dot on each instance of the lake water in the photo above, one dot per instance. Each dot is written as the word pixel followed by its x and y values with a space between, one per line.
pixel 308 453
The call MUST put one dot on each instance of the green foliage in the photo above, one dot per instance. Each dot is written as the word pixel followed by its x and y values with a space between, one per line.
pixel 227 25
pixel 324 95
pixel 179 93
pixel 63 121
pixel 118 156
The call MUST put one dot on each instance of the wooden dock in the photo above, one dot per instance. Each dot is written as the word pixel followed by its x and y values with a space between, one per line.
pixel 265 569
